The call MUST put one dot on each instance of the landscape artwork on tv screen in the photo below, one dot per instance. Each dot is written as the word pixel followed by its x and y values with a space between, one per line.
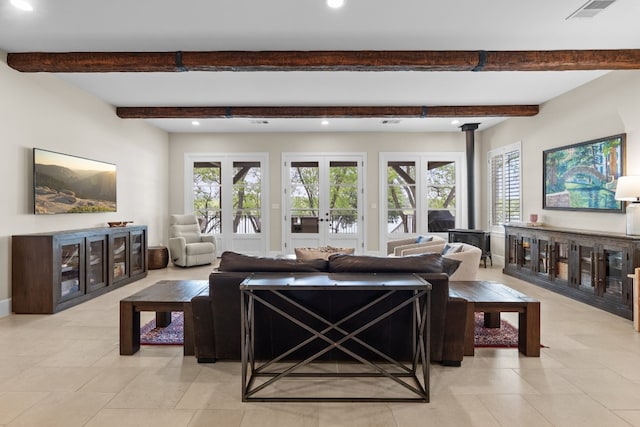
pixel 584 176
pixel 70 184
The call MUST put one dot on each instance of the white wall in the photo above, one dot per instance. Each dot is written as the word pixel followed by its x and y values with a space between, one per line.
pixel 277 143
pixel 607 106
pixel 39 110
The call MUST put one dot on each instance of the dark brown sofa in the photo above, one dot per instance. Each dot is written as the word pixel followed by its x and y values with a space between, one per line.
pixel 217 315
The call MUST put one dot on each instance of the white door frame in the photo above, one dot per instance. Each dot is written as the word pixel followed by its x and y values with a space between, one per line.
pixel 251 244
pixel 322 158
pixel 421 160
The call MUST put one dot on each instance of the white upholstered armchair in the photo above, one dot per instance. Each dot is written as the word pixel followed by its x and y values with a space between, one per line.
pixel 431 244
pixel 187 246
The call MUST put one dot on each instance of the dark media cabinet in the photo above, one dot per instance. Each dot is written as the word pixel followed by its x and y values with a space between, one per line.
pixel 57 270
pixel 588 266
pixel 478 238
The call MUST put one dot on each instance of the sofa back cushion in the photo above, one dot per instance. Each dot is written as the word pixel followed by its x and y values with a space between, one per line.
pixel 423 263
pixel 233 261
pixel 323 252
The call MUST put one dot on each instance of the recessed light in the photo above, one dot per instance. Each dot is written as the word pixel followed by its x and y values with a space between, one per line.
pixel 335 4
pixel 195 123
pixel 325 122
pixel 455 122
pixel 22 5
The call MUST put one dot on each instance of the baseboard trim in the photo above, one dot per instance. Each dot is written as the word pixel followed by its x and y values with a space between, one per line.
pixel 5 307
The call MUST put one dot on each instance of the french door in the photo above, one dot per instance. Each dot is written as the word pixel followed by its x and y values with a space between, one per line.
pixel 323 201
pixel 228 195
pixel 420 194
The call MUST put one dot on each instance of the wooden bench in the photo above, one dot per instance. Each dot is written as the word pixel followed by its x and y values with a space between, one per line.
pixel 492 299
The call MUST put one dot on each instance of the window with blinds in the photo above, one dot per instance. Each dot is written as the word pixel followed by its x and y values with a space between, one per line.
pixel 504 185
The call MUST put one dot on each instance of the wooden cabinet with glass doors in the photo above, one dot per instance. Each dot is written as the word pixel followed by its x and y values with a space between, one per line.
pixel 588 266
pixel 54 271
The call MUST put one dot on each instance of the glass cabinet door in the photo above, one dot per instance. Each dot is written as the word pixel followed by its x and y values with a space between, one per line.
pixel 525 257
pixel 586 268
pixel 71 269
pixel 613 274
pixel 137 252
pixel 512 250
pixel 119 246
pixel 543 256
pixel 560 261
pixel 97 262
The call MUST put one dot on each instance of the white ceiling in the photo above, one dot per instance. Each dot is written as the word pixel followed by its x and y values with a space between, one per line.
pixel 187 25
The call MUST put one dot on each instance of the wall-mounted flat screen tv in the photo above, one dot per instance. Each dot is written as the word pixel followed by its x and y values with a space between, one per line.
pixel 68 184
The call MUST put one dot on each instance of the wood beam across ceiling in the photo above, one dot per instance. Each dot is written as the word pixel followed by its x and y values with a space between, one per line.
pixel 368 60
pixel 328 112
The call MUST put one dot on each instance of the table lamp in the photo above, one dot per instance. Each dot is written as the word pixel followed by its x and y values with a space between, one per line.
pixel 628 190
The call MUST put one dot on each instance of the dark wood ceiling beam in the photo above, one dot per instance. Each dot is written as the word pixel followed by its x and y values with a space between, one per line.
pixel 92 62
pixel 365 60
pixel 320 112
pixel 103 62
pixel 563 60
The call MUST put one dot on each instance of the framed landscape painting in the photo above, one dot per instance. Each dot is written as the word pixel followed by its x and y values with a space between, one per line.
pixel 63 183
pixel 583 176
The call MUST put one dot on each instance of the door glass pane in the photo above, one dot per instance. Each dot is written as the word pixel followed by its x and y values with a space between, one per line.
pixel 543 256
pixel 247 198
pixel 120 263
pixel 70 268
pixel 586 268
pixel 343 197
pixel 96 262
pixel 525 259
pixel 137 252
pixel 513 249
pixel 401 197
pixel 304 191
pixel 613 273
pixel 207 196
pixel 441 196
pixel 561 260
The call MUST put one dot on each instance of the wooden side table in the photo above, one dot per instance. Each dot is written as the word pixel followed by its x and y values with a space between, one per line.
pixel 158 257
pixel 163 297
pixel 492 299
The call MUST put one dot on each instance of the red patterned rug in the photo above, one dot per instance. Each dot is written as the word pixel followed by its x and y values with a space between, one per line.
pixel 504 336
pixel 171 335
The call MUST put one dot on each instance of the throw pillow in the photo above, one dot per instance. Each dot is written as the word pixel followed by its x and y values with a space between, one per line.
pixel 451 249
pixel 423 239
pixel 232 261
pixel 423 263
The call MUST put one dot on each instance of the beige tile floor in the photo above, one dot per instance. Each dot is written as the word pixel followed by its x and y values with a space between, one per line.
pixel 65 370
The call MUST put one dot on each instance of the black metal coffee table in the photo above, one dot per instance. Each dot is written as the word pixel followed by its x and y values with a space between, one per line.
pixel 409 291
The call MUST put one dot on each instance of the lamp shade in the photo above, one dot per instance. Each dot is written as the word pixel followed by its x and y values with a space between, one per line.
pixel 628 188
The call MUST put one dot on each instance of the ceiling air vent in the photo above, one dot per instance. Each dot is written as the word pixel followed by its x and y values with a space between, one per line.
pixel 591 8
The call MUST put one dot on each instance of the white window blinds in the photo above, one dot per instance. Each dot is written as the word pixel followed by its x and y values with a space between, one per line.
pixel 504 185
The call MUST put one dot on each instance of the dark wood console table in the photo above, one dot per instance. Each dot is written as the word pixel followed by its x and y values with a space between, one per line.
pixel 56 270
pixel 270 291
pixel 589 266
